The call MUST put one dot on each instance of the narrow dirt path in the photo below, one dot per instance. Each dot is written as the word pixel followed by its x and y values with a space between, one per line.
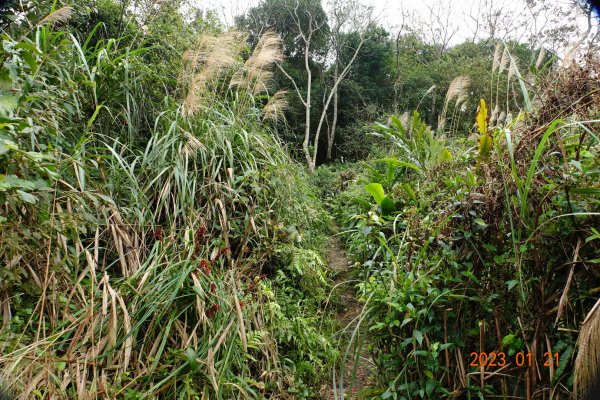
pixel 357 376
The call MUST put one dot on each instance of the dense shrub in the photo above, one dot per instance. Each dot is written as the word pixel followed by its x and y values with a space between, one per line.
pixel 178 268
pixel 488 251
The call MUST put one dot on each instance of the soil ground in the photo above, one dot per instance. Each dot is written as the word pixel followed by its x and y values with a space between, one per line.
pixel 358 373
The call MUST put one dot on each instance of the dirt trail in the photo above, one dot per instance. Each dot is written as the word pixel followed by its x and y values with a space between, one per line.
pixel 348 309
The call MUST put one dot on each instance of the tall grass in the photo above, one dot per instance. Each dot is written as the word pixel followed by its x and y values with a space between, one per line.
pixel 146 272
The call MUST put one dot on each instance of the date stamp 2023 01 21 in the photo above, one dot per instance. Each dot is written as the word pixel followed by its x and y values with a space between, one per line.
pixel 501 359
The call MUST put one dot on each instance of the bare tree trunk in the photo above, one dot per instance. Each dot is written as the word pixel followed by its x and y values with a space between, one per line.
pixel 331 137
pixel 309 161
pixel 364 20
pixel 306 35
pixel 341 76
pixel 331 133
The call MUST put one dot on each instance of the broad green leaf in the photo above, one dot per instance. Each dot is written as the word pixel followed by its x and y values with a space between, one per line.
pixel 387 206
pixel 480 222
pixel 191 358
pixel 27 197
pixel 362 202
pixel 13 182
pixel 8 103
pixel 376 190
pixel 397 163
pixel 482 117
pixel 30 60
pixel 27 46
pixel 430 386
pixel 418 335
pixel 485 145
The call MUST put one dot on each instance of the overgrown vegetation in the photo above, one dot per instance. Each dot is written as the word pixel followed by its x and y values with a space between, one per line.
pixel 174 269
pixel 480 246
pixel 159 240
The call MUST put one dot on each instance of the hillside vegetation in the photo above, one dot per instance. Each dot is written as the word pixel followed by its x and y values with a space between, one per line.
pixel 175 195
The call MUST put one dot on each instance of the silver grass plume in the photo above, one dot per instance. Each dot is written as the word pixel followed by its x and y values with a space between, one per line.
pixel 496 61
pixel 501 117
pixel 504 60
pixel 513 69
pixel 458 87
pixel 211 56
pixel 277 103
pixel 540 58
pixel 256 75
pixel 59 16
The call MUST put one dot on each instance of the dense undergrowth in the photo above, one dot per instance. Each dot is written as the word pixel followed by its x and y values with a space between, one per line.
pixel 176 269
pixel 480 245
pixel 157 240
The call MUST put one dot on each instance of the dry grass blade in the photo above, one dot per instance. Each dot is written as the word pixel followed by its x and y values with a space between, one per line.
pixel 494 115
pixel 191 146
pixel 587 363
pixel 200 304
pixel 211 356
pixel 6 314
pixel 112 319
pixel 431 89
pixel 564 298
pixel 128 346
pixel 242 325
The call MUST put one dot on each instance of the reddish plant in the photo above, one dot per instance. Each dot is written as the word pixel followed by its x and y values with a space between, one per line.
pixel 212 310
pixel 158 233
pixel 200 232
pixel 255 282
pixel 204 266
